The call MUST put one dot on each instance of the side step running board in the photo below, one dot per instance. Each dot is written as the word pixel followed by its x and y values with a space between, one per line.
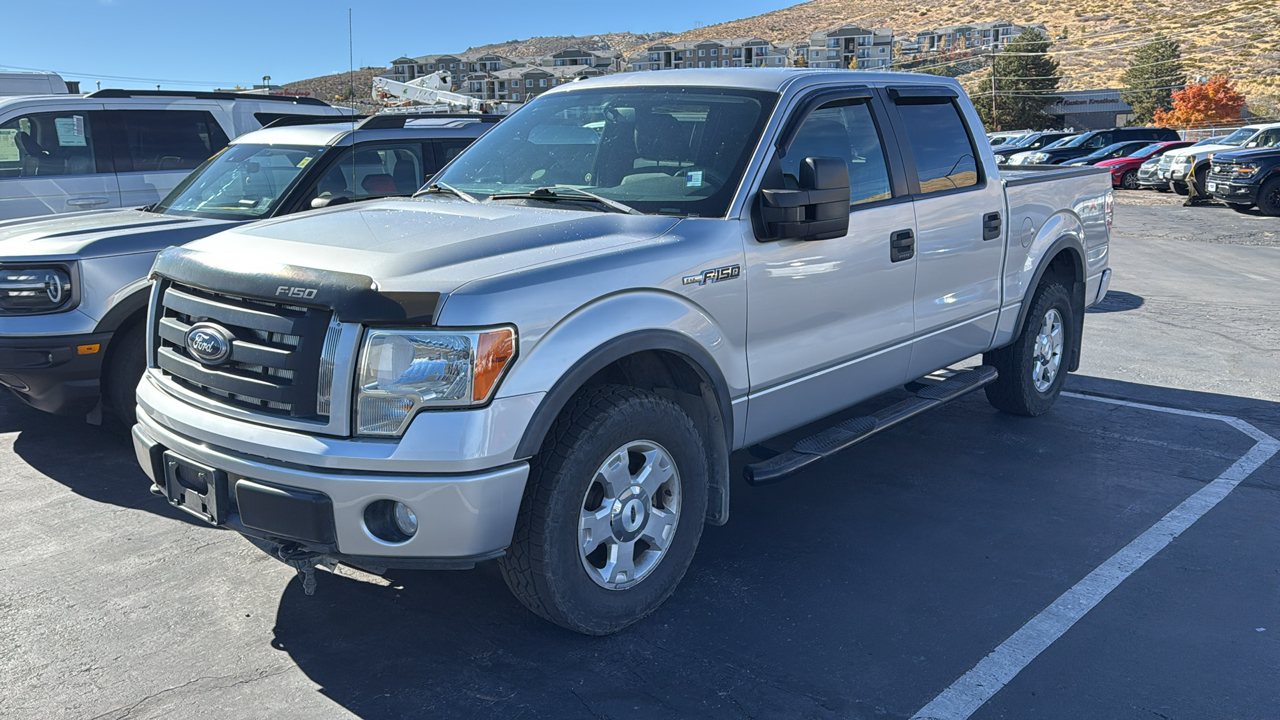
pixel 854 430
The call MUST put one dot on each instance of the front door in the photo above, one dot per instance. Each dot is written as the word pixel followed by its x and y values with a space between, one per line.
pixel 959 231
pixel 829 321
pixel 55 161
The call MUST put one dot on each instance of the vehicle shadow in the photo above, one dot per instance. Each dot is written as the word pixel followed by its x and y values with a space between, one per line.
pixel 94 462
pixel 1117 301
pixel 857 589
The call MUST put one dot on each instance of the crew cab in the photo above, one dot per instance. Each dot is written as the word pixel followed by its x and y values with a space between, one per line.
pixel 547 356
pixel 74 288
pixel 1192 164
pixel 1245 178
pixel 121 148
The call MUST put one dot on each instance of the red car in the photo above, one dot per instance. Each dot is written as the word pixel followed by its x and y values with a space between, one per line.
pixel 1124 171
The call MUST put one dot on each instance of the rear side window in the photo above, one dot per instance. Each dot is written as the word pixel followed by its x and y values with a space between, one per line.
pixel 940 143
pixel 164 140
pixel 48 144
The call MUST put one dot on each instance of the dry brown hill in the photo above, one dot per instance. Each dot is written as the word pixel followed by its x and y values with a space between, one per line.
pixel 622 42
pixel 1235 36
pixel 329 87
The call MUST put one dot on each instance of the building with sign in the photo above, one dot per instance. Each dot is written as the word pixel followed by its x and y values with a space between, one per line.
pixel 1091 109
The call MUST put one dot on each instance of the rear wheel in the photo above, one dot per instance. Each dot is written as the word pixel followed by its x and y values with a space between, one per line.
pixel 1129 180
pixel 1032 367
pixel 126 360
pixel 1269 197
pixel 612 513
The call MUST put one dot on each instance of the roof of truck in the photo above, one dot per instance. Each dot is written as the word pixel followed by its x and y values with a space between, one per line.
pixel 339 133
pixel 774 79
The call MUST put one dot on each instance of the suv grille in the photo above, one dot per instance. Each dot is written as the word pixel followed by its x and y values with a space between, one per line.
pixel 274 364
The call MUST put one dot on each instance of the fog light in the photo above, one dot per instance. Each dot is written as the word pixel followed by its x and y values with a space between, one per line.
pixel 406 521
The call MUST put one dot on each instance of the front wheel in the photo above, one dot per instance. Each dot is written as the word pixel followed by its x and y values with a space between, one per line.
pixel 1129 181
pixel 1032 368
pixel 612 513
pixel 1269 197
pixel 126 361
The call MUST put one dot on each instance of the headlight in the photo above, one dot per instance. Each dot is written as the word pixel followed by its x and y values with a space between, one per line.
pixel 1189 160
pixel 35 289
pixel 1039 157
pixel 404 371
pixel 1247 170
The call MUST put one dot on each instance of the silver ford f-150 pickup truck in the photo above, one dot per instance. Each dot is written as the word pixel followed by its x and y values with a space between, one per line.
pixel 548 355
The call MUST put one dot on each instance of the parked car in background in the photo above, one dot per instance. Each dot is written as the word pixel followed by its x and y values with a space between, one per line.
pixel 120 148
pixel 1116 150
pixel 73 288
pixel 1125 169
pixel 32 83
pixel 1084 144
pixel 1006 138
pixel 1192 164
pixel 1149 172
pixel 1029 143
pixel 547 357
pixel 1245 178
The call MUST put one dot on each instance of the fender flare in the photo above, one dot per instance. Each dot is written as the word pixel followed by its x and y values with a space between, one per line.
pixel 120 313
pixel 1071 242
pixel 611 351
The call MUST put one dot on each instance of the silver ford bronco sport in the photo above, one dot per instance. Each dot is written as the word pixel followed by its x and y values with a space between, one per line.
pixel 547 356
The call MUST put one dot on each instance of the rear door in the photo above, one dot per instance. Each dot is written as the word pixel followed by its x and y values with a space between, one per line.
pixel 959 214
pixel 156 147
pixel 829 322
pixel 55 161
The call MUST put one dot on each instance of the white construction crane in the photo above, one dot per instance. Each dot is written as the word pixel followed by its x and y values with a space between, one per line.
pixel 431 90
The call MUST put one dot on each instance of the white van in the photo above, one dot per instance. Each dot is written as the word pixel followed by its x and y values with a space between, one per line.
pixel 120 148
pixel 32 83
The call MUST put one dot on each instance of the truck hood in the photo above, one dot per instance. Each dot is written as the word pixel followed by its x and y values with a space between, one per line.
pixel 1247 155
pixel 429 244
pixel 100 233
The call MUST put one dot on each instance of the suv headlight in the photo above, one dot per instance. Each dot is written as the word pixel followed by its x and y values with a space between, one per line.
pixel 1039 157
pixel 404 371
pixel 36 289
pixel 1246 171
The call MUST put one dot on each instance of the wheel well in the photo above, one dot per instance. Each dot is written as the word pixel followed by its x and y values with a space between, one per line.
pixel 1066 268
pixel 1063 268
pixel 125 326
pixel 678 378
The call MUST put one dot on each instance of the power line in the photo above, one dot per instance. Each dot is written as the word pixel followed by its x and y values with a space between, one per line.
pixel 100 76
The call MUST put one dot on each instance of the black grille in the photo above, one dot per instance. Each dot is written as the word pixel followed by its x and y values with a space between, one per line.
pixel 275 350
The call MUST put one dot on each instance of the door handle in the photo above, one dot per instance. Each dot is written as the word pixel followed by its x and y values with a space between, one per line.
pixel 991 226
pixel 87 201
pixel 902 245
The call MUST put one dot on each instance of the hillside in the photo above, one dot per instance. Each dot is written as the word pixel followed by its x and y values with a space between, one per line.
pixel 327 87
pixel 622 42
pixel 1239 36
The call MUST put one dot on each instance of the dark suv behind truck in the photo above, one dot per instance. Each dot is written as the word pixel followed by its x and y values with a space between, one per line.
pixel 1246 178
pixel 1096 140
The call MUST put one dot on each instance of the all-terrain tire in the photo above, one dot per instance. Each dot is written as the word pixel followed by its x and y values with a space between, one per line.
pixel 1269 197
pixel 122 370
pixel 543 566
pixel 1015 391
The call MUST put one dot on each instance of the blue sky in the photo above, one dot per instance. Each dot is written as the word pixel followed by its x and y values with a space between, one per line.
pixel 181 44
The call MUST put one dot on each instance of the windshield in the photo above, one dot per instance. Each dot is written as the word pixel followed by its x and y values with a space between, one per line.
pixel 1236 138
pixel 1078 140
pixel 1061 142
pixel 658 150
pixel 1147 150
pixel 244 182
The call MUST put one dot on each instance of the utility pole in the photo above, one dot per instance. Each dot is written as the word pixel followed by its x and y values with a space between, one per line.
pixel 994 123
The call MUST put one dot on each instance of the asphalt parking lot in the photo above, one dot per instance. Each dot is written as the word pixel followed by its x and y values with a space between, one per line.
pixel 1108 560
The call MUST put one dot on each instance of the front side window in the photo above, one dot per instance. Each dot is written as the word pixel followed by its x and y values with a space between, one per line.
pixel 47 144
pixel 844 130
pixel 381 171
pixel 244 182
pixel 165 140
pixel 659 150
pixel 944 154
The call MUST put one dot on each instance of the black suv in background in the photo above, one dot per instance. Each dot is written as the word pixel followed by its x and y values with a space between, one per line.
pixel 1246 178
pixel 1027 143
pixel 1091 141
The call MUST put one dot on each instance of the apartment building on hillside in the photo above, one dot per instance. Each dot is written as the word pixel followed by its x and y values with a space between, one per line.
pixel 850 46
pixel 975 36
pixel 463 65
pixel 523 83
pixel 710 53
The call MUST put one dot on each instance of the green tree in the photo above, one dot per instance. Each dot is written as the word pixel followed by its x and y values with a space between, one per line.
pixel 1155 71
pixel 1025 80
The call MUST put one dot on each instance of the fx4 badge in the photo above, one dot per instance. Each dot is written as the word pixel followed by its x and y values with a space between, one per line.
pixel 728 272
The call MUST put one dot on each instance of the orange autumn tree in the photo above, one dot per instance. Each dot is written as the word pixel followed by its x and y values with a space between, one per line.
pixel 1212 101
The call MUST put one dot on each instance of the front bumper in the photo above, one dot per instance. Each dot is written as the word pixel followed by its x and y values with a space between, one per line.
pixel 52 373
pixel 461 518
pixel 1231 192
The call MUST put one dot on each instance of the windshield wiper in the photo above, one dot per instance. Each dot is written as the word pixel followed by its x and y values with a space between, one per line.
pixel 553 193
pixel 441 187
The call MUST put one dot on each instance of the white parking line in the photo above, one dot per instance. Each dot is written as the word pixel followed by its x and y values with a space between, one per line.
pixel 977 686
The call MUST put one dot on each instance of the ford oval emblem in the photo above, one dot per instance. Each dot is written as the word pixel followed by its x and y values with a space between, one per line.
pixel 208 343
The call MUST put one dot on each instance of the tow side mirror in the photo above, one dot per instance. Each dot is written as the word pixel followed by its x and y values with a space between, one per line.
pixel 818 210
pixel 329 201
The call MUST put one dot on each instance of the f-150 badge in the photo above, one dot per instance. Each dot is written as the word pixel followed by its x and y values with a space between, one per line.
pixel 727 272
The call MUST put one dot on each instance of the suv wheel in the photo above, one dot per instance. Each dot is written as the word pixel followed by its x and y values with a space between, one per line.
pixel 124 366
pixel 612 513
pixel 1031 368
pixel 1269 197
pixel 1129 180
